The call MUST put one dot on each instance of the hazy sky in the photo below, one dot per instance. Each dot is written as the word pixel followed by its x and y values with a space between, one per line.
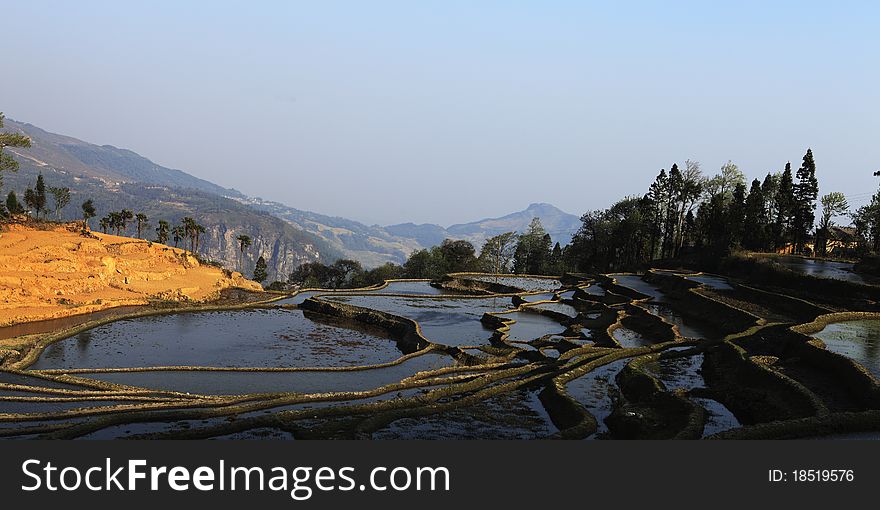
pixel 451 111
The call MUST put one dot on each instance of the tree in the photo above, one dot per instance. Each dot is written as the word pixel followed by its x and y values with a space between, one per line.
pixel 725 183
pixel 88 212
pixel 418 264
pixel 104 223
pixel 755 219
pixel 833 204
pixel 61 197
pixel 785 204
pixel 40 195
pixel 736 215
pixel 7 162
pixel 260 273
pixel 141 223
pixel 30 199
pixel 804 205
pixel 179 234
pixel 533 250
pixel 162 232
pixel 13 206
pixel 243 242
pixel 497 253
pixel 620 237
pixel 122 220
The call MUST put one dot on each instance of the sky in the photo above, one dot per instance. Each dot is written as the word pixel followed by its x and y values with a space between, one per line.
pixel 452 111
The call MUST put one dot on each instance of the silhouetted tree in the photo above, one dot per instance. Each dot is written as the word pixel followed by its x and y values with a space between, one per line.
pixel 260 273
pixel 805 193
pixel 833 204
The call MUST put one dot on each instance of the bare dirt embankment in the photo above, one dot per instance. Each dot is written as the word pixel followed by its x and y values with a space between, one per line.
pixel 49 272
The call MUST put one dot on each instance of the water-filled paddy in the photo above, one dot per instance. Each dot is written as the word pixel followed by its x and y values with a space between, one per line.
pixel 526 283
pixel 686 326
pixel 713 282
pixel 451 321
pixel 685 374
pixel 413 288
pixel 826 269
pixel 636 283
pixel 530 326
pixel 232 383
pixel 558 308
pixel 533 298
pixel 241 338
pixel 593 290
pixel 858 340
pixel 597 391
pixel 629 338
pixel 515 415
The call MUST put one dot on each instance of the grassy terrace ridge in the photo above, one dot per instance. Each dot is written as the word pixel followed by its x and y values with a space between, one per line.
pixel 775 378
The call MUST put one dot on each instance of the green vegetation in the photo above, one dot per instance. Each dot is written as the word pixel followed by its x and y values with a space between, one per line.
pixel 141 219
pixel 687 214
pixel 88 212
pixel 7 162
pixel 260 273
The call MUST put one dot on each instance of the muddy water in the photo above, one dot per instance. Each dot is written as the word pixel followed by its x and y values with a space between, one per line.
pixel 233 383
pixel 515 415
pixel 243 338
pixel 454 322
pixel 858 340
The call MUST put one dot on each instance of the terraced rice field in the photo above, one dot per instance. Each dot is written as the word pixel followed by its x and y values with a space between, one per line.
pixel 411 361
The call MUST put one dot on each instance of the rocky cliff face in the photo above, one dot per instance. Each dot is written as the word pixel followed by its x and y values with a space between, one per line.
pixel 282 254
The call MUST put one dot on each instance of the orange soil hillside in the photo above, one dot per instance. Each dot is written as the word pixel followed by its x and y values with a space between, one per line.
pixel 58 272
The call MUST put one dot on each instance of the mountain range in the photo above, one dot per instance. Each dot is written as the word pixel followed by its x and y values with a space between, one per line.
pixel 285 236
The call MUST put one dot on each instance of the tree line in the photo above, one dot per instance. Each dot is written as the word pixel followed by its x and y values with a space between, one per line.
pixel 684 212
pixel 531 252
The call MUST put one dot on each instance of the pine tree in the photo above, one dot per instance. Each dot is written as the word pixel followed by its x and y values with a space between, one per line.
pixel 784 201
pixel 755 220
pixel 260 273
pixel 40 195
pixel 806 191
pixel 13 206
